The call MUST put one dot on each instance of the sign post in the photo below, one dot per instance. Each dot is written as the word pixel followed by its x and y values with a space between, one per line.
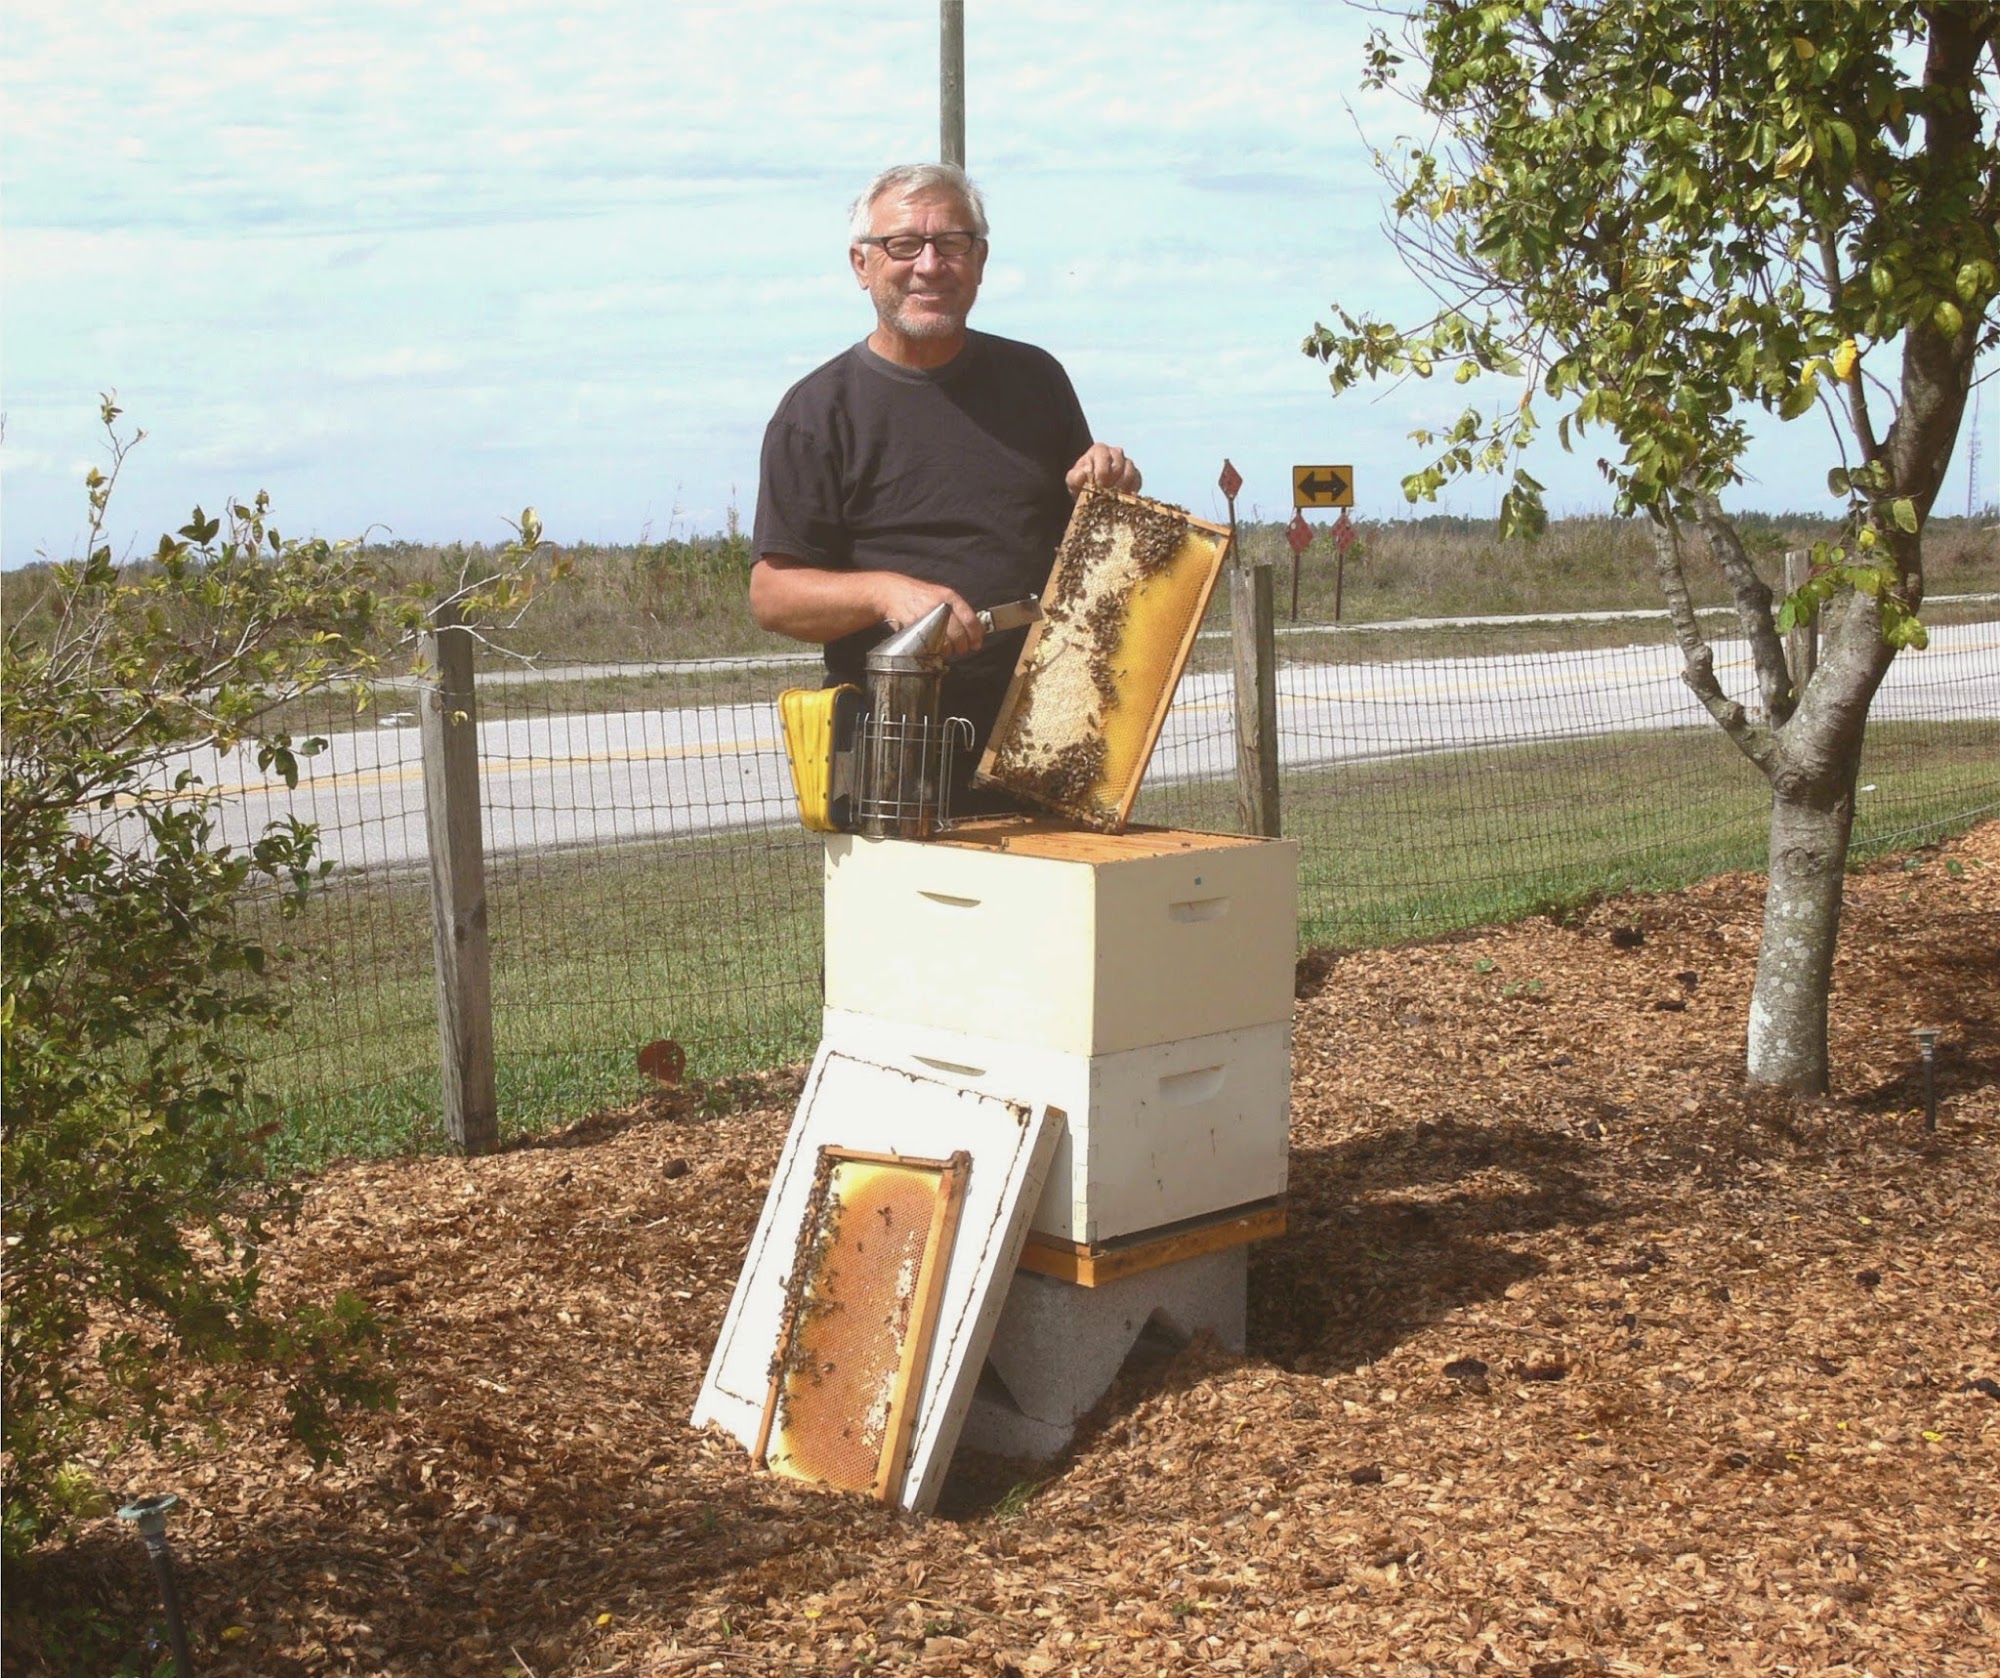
pixel 1321 486
pixel 1344 537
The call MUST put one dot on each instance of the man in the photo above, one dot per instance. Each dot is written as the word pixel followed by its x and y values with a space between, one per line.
pixel 927 463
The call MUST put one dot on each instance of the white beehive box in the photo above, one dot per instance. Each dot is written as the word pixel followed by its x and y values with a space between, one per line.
pixel 1152 1135
pixel 1085 943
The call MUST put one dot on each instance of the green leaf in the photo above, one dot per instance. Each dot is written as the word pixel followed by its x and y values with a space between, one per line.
pixel 1904 511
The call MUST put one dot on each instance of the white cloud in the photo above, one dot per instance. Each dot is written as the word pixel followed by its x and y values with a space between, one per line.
pixel 421 262
pixel 403 362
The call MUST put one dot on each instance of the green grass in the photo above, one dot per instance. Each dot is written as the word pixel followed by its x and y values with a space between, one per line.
pixel 1447 567
pixel 713 943
pixel 1417 847
pixel 1412 847
pixel 716 943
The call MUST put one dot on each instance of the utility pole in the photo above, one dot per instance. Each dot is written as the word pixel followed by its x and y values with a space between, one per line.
pixel 1972 501
pixel 951 81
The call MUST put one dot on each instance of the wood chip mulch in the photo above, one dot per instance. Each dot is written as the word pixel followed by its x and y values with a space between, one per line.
pixel 1578 1357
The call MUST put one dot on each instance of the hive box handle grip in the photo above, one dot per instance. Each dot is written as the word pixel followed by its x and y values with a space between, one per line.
pixel 950 902
pixel 1184 1089
pixel 958 1067
pixel 1199 909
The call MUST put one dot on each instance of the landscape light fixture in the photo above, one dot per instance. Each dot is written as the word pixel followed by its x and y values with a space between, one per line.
pixel 149 1515
pixel 1927 1037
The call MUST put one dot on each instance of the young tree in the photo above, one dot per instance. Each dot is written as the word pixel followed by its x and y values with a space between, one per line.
pixel 130 991
pixel 1660 214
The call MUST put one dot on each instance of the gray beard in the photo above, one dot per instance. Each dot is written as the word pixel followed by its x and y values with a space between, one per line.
pixel 926 326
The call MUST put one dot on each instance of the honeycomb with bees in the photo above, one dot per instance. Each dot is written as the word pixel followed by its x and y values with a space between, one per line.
pixel 1090 693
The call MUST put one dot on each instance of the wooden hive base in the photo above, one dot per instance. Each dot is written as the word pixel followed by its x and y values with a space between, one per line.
pixel 1095 1264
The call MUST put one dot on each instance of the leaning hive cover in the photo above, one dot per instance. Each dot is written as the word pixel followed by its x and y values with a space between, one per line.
pixel 1090 693
pixel 890 1413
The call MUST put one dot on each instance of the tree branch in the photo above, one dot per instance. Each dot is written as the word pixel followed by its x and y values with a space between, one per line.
pixel 1756 743
pixel 1937 367
pixel 1753 610
pixel 1857 396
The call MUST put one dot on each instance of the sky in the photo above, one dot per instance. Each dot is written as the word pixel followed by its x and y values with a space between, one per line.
pixel 412 266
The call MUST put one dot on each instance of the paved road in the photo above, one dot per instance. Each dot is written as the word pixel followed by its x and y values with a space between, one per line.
pixel 590 778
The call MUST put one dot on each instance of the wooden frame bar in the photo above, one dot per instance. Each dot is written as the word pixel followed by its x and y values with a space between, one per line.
pixel 1094 1266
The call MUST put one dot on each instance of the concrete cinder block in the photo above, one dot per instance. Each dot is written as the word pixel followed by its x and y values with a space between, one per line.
pixel 1058 1347
pixel 995 1424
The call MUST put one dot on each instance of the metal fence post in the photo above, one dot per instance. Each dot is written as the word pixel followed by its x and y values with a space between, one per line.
pixel 458 888
pixel 1253 633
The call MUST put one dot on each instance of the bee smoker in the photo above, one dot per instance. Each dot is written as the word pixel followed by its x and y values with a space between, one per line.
pixel 880 763
pixel 904 745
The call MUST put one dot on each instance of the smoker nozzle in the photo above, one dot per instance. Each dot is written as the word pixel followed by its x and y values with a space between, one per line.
pixel 919 646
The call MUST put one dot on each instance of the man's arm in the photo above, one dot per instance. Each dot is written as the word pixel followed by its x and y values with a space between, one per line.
pixel 810 603
pixel 1105 467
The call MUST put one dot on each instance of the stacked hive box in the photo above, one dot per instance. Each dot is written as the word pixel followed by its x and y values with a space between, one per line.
pixel 1141 982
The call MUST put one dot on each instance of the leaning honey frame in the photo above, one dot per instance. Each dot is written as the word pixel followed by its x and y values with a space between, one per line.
pixel 861 1310
pixel 1091 689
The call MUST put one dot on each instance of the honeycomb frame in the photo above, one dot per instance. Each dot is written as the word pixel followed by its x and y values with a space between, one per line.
pixel 1131 583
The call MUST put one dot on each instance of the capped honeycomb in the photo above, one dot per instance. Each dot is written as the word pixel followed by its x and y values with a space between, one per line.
pixel 1090 693
pixel 861 1307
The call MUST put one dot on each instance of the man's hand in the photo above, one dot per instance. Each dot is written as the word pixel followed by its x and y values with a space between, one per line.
pixel 1105 467
pixel 903 600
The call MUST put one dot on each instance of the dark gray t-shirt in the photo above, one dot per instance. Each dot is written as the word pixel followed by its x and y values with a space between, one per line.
pixel 954 475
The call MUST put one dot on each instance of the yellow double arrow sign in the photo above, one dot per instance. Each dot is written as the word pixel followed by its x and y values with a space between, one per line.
pixel 1322 486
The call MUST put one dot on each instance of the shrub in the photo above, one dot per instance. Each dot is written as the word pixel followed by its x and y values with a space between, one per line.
pixel 135 1202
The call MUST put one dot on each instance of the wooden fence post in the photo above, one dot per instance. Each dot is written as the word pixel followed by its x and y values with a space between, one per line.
pixel 458 888
pixel 1253 633
pixel 1802 643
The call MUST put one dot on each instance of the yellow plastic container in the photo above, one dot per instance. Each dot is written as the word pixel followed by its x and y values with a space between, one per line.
pixel 813 720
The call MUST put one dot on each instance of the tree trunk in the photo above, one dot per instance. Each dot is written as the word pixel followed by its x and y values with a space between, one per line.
pixel 1788 1008
pixel 1813 777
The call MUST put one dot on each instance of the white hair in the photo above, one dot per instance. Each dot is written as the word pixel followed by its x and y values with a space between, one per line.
pixel 908 178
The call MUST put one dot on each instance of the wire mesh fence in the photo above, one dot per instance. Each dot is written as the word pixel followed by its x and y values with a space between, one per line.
pixel 1503 776
pixel 647 876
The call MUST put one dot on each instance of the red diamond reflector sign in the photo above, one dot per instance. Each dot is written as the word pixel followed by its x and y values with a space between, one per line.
pixel 1299 533
pixel 1230 481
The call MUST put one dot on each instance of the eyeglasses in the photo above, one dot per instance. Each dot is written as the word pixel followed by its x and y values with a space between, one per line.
pixel 907 247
